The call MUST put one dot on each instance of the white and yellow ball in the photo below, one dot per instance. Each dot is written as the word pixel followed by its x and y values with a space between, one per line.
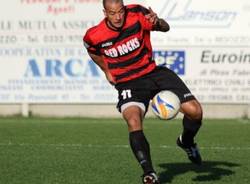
pixel 165 105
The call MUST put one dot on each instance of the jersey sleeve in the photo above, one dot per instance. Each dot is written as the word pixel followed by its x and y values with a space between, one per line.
pixel 89 45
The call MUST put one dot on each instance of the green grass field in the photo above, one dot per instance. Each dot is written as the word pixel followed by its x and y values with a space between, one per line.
pixel 96 151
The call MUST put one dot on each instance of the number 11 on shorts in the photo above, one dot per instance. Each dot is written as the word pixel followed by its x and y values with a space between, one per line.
pixel 126 94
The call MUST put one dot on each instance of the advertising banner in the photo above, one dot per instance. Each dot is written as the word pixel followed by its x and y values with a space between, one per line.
pixel 208 45
pixel 213 74
pixel 42 58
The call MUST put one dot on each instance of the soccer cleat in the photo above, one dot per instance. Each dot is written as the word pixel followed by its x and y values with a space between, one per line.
pixel 150 178
pixel 192 151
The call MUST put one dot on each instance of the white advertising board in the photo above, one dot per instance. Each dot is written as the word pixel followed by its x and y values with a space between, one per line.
pixel 42 59
pixel 208 45
pixel 213 74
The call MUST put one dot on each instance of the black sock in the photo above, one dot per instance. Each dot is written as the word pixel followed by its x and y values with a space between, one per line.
pixel 141 150
pixel 190 129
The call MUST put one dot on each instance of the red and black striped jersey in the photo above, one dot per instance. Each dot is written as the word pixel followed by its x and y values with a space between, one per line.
pixel 127 52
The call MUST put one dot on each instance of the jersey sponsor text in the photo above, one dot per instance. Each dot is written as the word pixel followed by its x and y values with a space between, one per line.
pixel 123 49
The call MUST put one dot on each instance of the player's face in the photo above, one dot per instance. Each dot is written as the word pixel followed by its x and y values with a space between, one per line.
pixel 115 13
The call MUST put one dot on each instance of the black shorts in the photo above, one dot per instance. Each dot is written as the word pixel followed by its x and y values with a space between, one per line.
pixel 143 89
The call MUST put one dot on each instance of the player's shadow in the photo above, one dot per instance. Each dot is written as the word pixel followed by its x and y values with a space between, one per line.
pixel 208 171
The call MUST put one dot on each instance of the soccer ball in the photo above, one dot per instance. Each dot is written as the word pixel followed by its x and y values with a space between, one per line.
pixel 165 105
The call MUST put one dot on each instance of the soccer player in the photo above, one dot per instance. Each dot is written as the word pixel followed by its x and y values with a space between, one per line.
pixel 120 45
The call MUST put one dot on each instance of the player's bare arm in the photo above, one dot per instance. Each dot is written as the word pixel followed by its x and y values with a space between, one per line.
pixel 99 61
pixel 159 23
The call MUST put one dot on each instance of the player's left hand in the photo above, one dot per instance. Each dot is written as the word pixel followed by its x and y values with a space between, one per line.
pixel 152 16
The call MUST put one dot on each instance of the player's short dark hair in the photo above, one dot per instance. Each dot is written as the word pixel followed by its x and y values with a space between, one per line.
pixel 116 1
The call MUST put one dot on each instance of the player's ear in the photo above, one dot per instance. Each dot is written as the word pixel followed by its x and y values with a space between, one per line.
pixel 104 12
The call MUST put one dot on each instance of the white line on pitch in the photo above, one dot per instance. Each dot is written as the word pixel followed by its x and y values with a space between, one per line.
pixel 120 146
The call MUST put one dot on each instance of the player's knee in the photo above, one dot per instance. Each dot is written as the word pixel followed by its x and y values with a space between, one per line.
pixel 133 120
pixel 134 123
pixel 195 112
pixel 133 117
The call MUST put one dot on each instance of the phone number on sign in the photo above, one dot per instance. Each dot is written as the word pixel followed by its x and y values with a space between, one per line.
pixel 8 39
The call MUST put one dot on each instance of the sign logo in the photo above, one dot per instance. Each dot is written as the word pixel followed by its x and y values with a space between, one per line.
pixel 174 60
pixel 192 13
pixel 51 68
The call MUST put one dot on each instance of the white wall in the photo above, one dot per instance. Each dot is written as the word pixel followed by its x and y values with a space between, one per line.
pixel 109 111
